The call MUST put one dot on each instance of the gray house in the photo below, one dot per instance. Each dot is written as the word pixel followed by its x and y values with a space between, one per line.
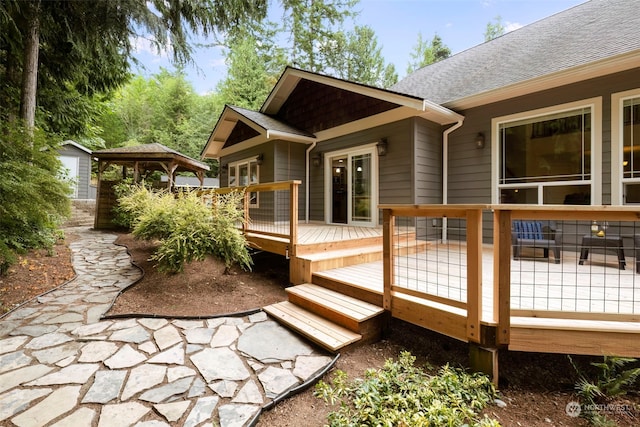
pixel 76 161
pixel 546 114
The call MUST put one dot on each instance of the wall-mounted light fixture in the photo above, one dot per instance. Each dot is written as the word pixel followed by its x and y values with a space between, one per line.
pixel 259 159
pixel 381 146
pixel 479 140
pixel 224 168
pixel 316 160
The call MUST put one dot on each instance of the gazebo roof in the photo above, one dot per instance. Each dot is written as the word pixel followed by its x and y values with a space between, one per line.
pixel 151 157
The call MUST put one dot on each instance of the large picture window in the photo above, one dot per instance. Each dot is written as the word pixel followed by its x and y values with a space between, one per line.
pixel 547 158
pixel 245 173
pixel 631 150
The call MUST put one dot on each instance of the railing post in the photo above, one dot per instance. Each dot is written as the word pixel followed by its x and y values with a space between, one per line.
pixel 502 274
pixel 293 216
pixel 245 206
pixel 388 232
pixel 474 274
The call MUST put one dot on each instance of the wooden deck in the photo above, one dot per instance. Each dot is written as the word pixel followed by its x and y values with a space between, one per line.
pixel 535 284
pixel 317 233
pixel 530 304
pixel 566 308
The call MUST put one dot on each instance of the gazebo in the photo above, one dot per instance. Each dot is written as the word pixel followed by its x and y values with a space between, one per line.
pixel 140 160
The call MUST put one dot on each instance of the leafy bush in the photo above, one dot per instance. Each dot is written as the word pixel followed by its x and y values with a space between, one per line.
pixel 402 395
pixel 187 229
pixel 612 380
pixel 33 200
pixel 133 201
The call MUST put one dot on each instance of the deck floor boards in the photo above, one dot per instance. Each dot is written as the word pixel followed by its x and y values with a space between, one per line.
pixel 536 283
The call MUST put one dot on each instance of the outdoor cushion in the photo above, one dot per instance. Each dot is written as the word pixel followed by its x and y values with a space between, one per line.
pixel 530 230
pixel 534 234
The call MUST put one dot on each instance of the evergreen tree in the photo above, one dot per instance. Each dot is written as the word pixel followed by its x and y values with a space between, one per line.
pixel 426 53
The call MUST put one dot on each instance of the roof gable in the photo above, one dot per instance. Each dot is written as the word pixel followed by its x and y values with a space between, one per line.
pixel 316 107
pixel 600 34
pixel 307 107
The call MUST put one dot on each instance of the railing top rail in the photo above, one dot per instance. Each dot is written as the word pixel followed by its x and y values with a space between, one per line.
pixel 268 186
pixel 452 211
pixel 583 212
pixel 573 208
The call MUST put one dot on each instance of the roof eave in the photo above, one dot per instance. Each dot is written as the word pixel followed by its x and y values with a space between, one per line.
pixel 587 71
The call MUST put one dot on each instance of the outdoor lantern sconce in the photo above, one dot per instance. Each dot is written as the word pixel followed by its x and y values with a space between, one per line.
pixel 479 141
pixel 316 160
pixel 259 159
pixel 381 146
pixel 224 168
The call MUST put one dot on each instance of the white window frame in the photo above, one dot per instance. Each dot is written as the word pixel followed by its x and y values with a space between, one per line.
pixel 234 167
pixel 595 105
pixel 617 178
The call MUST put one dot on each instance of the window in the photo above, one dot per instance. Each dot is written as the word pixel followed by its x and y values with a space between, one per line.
pixel 630 122
pixel 546 156
pixel 244 173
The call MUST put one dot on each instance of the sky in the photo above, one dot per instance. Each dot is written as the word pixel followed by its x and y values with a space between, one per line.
pixel 459 23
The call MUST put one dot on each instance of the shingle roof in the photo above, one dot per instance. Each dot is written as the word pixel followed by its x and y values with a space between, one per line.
pixel 149 152
pixel 269 123
pixel 153 148
pixel 590 32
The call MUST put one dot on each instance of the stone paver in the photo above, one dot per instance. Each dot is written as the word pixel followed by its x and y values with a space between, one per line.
pixel 62 365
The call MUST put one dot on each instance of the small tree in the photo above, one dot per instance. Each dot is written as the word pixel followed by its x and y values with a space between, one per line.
pixel 494 29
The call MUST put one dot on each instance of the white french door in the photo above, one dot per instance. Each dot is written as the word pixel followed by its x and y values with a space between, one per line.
pixel 351 195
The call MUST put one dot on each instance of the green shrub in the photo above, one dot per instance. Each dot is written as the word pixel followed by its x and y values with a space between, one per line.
pixel 33 200
pixel 186 228
pixel 133 201
pixel 400 394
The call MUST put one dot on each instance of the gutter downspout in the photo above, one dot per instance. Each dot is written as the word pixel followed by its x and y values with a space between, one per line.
pixel 307 184
pixel 445 171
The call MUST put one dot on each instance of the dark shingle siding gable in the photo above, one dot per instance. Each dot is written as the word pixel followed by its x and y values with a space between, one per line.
pixel 590 32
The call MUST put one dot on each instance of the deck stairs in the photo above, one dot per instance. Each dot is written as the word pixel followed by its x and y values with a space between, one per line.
pixel 331 313
pixel 329 318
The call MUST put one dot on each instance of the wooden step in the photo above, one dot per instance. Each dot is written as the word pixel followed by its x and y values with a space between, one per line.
pixel 319 330
pixel 344 310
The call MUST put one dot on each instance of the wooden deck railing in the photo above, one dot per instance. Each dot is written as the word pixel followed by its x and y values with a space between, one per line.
pixel 270 214
pixel 449 284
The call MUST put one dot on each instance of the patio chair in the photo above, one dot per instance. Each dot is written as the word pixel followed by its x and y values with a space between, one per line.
pixel 536 234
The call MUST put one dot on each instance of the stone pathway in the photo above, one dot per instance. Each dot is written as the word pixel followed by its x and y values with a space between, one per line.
pixel 61 365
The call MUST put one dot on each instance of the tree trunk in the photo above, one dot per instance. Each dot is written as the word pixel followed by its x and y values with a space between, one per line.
pixel 30 66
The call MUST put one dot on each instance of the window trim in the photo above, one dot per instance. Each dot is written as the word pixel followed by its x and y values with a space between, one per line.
pixel 235 167
pixel 595 104
pixel 617 146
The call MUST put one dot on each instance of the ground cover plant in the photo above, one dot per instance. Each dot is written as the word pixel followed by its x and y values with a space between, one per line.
pixel 613 378
pixel 401 394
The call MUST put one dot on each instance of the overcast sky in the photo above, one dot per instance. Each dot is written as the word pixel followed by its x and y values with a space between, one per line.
pixel 460 24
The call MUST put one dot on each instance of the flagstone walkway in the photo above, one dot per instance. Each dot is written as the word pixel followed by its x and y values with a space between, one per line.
pixel 61 365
